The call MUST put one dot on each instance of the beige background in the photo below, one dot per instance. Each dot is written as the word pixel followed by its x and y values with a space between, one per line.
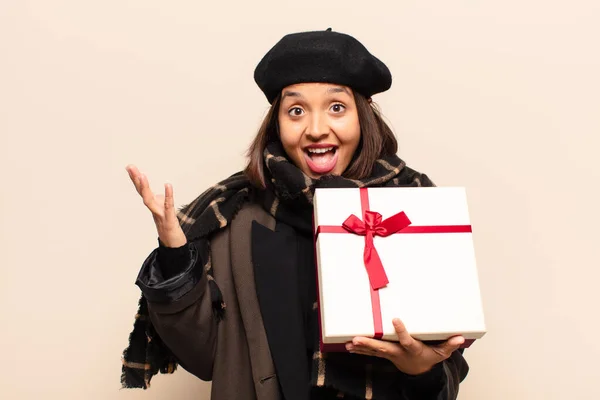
pixel 499 96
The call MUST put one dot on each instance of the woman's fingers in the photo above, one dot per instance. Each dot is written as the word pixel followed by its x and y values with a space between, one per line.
pixel 140 181
pixel 134 175
pixel 169 202
pixel 373 347
pixel 446 349
pixel 406 340
pixel 169 205
pixel 365 351
pixel 147 195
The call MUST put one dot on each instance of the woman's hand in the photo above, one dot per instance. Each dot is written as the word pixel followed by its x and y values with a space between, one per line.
pixel 161 207
pixel 410 356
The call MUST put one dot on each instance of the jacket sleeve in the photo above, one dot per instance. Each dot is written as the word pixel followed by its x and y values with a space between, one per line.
pixel 176 288
pixel 441 383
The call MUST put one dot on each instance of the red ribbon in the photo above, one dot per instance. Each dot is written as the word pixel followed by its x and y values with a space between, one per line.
pixel 372 225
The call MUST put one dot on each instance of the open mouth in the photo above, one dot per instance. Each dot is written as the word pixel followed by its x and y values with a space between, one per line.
pixel 321 159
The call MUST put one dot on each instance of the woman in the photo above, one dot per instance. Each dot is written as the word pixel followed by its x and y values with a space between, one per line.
pixel 230 292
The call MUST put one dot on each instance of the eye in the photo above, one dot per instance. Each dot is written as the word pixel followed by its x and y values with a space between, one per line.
pixel 337 108
pixel 295 111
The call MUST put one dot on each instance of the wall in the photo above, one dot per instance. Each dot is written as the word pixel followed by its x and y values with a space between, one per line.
pixel 501 97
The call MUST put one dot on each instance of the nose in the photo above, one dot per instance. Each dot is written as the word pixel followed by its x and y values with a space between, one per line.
pixel 317 128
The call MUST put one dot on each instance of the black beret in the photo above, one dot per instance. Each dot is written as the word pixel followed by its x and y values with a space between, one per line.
pixel 321 56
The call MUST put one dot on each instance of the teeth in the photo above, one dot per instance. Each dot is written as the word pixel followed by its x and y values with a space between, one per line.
pixel 318 151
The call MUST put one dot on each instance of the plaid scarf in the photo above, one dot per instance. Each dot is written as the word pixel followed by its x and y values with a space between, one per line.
pixel 289 190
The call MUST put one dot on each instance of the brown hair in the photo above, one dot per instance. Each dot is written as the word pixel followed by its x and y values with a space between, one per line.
pixel 376 140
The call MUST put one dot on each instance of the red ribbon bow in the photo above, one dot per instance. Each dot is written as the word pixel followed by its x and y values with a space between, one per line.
pixel 374 225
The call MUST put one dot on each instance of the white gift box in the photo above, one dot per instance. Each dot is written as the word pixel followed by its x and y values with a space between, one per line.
pixel 433 284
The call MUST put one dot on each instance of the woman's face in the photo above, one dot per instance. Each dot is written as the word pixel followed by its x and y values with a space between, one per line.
pixel 319 127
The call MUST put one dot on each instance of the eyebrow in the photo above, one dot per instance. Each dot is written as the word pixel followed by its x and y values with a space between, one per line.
pixel 290 94
pixel 338 89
